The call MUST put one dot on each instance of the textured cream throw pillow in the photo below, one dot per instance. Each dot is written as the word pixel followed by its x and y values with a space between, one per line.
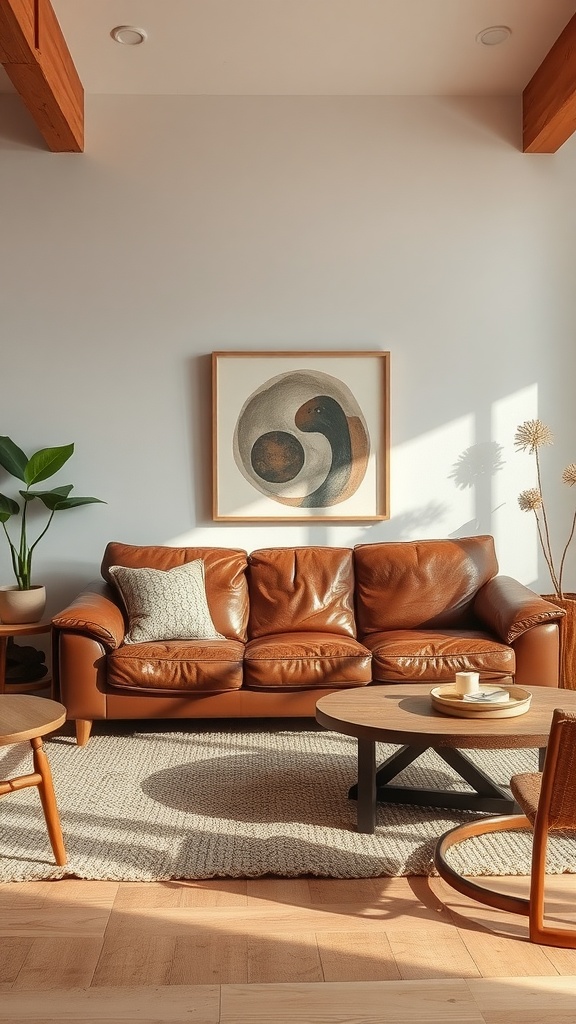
pixel 165 604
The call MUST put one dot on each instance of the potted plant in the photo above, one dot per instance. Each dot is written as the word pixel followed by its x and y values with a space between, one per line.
pixel 531 436
pixel 24 601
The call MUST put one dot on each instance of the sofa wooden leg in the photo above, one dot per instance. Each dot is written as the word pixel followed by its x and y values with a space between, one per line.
pixel 83 730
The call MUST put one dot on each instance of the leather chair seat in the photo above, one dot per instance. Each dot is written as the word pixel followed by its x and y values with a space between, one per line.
pixel 293 661
pixel 434 655
pixel 201 666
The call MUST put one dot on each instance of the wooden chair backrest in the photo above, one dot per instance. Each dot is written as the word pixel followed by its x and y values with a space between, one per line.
pixel 557 803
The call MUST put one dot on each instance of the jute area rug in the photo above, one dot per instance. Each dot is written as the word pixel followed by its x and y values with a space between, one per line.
pixel 143 803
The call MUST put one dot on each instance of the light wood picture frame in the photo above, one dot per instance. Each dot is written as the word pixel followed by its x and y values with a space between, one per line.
pixel 301 436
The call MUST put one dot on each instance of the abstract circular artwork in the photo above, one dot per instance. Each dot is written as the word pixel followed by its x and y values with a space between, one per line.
pixel 301 440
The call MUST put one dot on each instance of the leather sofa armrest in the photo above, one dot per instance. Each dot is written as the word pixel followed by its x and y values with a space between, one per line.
pixel 509 608
pixel 95 613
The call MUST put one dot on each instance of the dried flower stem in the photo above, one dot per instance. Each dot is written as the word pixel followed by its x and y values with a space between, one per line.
pixel 546 548
pixel 547 558
pixel 560 593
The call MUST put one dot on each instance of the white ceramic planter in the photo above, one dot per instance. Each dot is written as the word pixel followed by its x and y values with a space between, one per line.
pixel 20 606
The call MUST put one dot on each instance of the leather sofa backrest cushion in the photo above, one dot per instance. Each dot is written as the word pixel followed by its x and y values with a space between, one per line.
pixel 413 584
pixel 225 575
pixel 301 590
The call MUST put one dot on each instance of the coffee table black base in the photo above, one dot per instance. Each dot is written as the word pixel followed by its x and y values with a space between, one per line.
pixel 373 784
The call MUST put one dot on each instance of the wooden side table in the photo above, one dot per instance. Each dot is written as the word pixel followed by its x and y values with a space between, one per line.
pixel 22 629
pixel 28 718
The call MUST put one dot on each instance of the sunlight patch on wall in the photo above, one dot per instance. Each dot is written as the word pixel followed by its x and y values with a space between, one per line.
pixel 514 531
pixel 425 502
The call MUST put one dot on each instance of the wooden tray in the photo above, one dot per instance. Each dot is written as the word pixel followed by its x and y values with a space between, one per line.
pixel 445 699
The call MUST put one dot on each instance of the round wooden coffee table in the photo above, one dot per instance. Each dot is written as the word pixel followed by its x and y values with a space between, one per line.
pixel 403 714
pixel 28 718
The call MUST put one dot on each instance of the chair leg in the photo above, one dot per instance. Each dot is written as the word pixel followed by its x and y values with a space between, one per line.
pixel 48 800
pixel 544 935
pixel 481 893
pixel 83 730
pixel 533 908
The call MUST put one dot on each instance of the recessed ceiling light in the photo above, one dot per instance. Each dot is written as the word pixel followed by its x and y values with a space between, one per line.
pixel 129 35
pixel 494 35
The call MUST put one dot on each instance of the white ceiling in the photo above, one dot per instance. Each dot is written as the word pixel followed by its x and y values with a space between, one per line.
pixel 318 47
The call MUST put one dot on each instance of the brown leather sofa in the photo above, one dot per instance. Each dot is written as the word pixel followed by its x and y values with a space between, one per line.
pixel 298 623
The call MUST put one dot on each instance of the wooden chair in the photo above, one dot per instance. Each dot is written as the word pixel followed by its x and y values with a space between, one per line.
pixel 548 800
pixel 27 717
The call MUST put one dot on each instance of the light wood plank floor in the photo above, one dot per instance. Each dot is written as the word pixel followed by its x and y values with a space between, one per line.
pixel 292 951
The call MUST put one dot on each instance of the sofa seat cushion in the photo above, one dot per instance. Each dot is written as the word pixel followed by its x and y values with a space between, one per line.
pixel 199 666
pixel 299 661
pixel 434 655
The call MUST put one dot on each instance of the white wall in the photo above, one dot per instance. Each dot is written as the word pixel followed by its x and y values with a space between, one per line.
pixel 194 224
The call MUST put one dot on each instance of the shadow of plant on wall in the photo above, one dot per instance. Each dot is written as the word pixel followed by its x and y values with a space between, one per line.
pixel 419 519
pixel 474 469
pixel 476 463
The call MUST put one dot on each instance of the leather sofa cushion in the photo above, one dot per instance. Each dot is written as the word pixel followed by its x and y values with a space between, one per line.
pixel 294 661
pixel 421 584
pixel 403 655
pixel 306 589
pixel 225 577
pixel 200 666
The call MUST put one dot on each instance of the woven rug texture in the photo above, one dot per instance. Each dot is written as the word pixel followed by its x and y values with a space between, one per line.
pixel 239 803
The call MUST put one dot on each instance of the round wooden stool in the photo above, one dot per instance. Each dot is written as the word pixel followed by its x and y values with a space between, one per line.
pixel 28 718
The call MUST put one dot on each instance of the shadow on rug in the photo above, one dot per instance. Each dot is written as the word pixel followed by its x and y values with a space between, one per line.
pixel 192 804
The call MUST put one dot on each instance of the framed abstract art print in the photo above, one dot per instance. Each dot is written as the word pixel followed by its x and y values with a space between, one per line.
pixel 301 436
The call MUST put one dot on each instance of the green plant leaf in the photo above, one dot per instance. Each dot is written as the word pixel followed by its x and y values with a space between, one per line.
pixel 64 490
pixel 8 507
pixel 46 462
pixel 12 458
pixel 74 502
pixel 57 492
pixel 43 464
pixel 57 503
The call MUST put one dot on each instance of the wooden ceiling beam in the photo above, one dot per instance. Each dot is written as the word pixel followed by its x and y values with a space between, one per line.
pixel 38 63
pixel 549 99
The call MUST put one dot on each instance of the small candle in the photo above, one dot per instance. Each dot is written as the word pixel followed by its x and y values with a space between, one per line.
pixel 467 682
